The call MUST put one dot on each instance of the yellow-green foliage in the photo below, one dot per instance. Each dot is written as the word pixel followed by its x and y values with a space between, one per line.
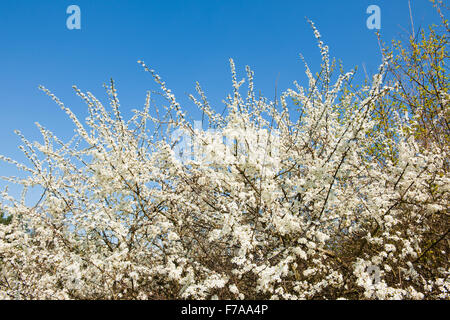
pixel 420 66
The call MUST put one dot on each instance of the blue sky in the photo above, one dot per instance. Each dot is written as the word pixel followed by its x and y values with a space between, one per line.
pixel 184 41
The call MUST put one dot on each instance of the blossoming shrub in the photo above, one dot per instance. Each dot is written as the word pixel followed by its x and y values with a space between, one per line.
pixel 282 200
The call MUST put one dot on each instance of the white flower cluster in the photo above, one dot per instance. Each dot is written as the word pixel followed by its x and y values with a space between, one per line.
pixel 295 204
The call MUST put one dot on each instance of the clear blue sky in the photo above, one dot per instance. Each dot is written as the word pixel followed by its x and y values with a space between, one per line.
pixel 184 41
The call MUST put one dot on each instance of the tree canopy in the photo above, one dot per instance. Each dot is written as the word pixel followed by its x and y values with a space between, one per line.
pixel 331 191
